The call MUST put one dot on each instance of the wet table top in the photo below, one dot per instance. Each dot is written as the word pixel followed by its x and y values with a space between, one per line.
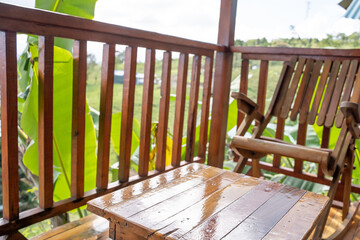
pixel 201 202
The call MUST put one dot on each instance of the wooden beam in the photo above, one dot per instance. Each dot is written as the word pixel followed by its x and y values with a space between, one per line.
pixel 46 60
pixel 222 79
pixel 9 134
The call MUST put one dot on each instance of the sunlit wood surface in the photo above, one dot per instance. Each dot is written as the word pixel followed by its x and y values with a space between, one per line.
pixel 202 202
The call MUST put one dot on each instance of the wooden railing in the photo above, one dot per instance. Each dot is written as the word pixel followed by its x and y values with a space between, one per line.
pixel 264 55
pixel 47 26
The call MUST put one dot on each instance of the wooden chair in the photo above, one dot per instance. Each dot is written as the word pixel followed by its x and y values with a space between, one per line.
pixel 325 93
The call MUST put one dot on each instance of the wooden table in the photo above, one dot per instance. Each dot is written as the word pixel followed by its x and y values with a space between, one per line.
pixel 201 202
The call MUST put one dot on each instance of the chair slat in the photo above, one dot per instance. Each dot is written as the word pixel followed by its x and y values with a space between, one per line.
pixel 309 92
pixel 146 114
pixel 46 60
pixel 180 108
pixel 283 86
pixel 302 89
pixel 9 134
pixel 78 119
pixel 193 105
pixel 335 98
pixel 319 91
pixel 127 113
pixel 244 79
pixel 205 108
pixel 261 94
pixel 293 87
pixel 163 112
pixel 106 95
pixel 348 87
pixel 328 93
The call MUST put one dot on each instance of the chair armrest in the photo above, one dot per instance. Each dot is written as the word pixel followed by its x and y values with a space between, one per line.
pixel 246 105
pixel 352 115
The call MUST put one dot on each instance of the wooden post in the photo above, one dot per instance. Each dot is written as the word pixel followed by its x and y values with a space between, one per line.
pixel 222 79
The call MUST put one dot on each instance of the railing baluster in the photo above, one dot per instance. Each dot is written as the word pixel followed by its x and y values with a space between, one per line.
pixel 127 113
pixel 179 109
pixel 163 112
pixel 9 135
pixel 193 105
pixel 324 144
pixel 78 119
pixel 146 114
pixel 301 140
pixel 106 95
pixel 205 108
pixel 46 60
pixel 244 78
pixel 279 135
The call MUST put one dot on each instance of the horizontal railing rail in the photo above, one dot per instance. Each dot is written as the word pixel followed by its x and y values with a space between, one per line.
pixel 264 55
pixel 49 25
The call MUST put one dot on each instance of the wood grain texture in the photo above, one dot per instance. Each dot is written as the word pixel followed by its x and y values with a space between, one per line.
pixel 335 98
pixel 301 140
pixel 280 126
pixel 180 108
pixel 146 114
pixel 319 91
pixel 350 79
pixel 193 105
pixel 127 113
pixel 98 205
pixel 161 139
pixel 328 93
pixel 107 85
pixel 45 135
pixel 9 134
pixel 263 219
pixel 205 108
pixel 78 119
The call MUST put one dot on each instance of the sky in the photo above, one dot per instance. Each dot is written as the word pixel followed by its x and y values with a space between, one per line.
pixel 198 19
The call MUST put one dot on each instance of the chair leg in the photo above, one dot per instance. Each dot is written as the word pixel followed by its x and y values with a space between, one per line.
pixel 240 164
pixel 347 182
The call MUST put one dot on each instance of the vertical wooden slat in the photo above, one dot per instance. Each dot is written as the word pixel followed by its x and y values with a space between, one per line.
pixel 46 61
pixel 163 112
pixel 78 119
pixel 324 144
pixel 205 108
pixel 9 136
pixel 335 98
pixel 146 114
pixel 222 79
pixel 193 104
pixel 180 108
pixel 106 95
pixel 244 79
pixel 301 140
pixel 261 98
pixel 127 113
pixel 279 135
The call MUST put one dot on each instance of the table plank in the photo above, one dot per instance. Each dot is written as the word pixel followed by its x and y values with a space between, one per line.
pixel 182 223
pixel 164 210
pixel 300 219
pixel 98 205
pixel 260 222
pixel 219 224
pixel 132 206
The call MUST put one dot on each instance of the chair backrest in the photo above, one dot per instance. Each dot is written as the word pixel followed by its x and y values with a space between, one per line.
pixel 313 89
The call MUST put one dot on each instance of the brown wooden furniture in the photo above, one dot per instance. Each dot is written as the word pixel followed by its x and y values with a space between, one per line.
pixel 323 92
pixel 201 202
pixel 217 73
